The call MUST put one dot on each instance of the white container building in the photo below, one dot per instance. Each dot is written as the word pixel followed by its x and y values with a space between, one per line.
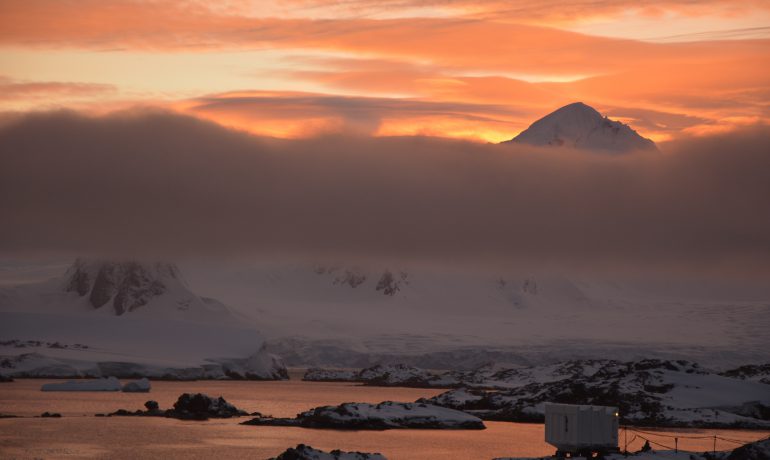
pixel 575 429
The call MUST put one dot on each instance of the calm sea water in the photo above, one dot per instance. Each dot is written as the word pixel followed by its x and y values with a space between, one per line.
pixel 78 434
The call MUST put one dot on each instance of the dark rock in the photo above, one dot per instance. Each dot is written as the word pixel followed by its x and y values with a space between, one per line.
pixel 304 452
pixel 151 405
pixel 188 407
pixel 759 450
pixel 80 281
pixel 50 414
pixel 200 405
pixel 757 372
pixel 389 284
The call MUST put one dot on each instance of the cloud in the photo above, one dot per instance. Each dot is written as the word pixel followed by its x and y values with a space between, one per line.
pixel 292 114
pixel 157 184
pixel 486 54
pixel 19 95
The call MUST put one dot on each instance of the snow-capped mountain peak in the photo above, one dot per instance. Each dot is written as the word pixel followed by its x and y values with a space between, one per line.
pixel 581 126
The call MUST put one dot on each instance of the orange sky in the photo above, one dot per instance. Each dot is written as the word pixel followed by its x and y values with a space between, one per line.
pixel 477 70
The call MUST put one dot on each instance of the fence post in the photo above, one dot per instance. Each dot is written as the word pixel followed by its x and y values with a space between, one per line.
pixel 715 444
pixel 676 445
pixel 625 429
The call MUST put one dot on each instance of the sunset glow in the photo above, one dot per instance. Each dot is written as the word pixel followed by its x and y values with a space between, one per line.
pixel 450 69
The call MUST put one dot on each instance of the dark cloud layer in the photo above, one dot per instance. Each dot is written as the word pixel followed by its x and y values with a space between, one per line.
pixel 162 184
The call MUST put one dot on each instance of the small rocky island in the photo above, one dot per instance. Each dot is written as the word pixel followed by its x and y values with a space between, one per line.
pixel 303 452
pixel 383 416
pixel 188 406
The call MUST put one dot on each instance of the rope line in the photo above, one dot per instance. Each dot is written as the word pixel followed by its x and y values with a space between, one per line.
pixel 657 443
pixel 638 434
pixel 633 430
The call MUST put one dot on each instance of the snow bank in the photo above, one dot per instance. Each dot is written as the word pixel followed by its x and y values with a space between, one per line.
pixel 383 416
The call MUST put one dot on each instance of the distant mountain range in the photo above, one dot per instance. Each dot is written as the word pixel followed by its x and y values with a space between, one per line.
pixel 353 315
pixel 580 126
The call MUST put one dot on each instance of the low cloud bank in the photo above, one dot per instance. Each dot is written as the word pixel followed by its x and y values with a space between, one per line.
pixel 149 183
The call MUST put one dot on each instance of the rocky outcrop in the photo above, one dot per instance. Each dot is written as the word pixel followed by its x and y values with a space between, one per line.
pixel 383 416
pixel 755 372
pixel 189 406
pixel 759 450
pixel 350 278
pixel 317 374
pixel 390 284
pixel 303 452
pixel 380 375
pixel 128 285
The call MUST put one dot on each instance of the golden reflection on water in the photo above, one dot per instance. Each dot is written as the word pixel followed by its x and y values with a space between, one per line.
pixel 80 435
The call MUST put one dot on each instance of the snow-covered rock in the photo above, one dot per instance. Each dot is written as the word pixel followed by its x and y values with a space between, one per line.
pixel 124 285
pixel 259 366
pixel 383 375
pixel 398 375
pixel 317 374
pixel 580 126
pixel 108 384
pixel 383 416
pixel 139 386
pixel 303 452
pixel 649 392
pixel 754 372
